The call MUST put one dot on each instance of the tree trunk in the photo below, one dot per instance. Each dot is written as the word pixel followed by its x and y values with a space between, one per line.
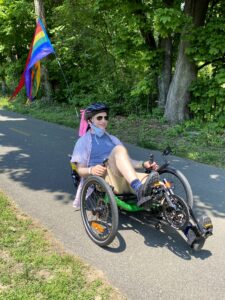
pixel 39 11
pixel 4 86
pixel 178 96
pixel 185 70
pixel 165 78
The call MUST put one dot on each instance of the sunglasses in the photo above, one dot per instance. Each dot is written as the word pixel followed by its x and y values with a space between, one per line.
pixel 99 118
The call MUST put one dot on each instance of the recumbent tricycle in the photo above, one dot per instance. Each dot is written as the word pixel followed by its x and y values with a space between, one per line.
pixel 170 202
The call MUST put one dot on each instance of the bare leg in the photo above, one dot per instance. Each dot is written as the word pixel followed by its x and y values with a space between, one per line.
pixel 120 184
pixel 121 159
pixel 120 165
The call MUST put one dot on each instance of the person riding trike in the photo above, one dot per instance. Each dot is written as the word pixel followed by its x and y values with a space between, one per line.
pixel 107 180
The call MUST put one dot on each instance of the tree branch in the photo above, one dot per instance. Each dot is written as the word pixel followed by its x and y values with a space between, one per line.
pixel 146 34
pixel 212 61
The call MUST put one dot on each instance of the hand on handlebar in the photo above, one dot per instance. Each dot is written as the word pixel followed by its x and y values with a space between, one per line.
pixel 151 165
pixel 98 170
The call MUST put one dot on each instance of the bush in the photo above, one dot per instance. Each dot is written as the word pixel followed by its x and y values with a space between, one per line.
pixel 208 99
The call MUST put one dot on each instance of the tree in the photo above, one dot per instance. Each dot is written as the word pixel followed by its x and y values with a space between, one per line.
pixel 178 96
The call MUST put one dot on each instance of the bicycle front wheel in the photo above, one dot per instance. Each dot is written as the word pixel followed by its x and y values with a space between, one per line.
pixel 177 214
pixel 179 184
pixel 99 211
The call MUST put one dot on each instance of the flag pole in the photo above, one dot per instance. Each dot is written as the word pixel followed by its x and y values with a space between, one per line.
pixel 60 66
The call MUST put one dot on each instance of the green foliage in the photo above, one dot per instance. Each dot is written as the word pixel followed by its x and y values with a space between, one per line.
pixel 111 51
pixel 207 49
pixel 15 26
pixel 107 56
pixel 168 21
pixel 208 98
pixel 208 44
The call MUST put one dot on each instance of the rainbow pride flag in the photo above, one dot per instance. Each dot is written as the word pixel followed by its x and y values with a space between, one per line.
pixel 40 48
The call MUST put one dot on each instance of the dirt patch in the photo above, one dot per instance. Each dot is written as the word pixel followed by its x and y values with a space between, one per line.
pixel 5 256
pixel 93 274
pixel 44 274
pixel 4 287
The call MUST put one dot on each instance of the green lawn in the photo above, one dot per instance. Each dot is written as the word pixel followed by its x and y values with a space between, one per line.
pixel 34 266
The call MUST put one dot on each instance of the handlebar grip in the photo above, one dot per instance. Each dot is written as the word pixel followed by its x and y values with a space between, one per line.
pixel 104 162
pixel 151 158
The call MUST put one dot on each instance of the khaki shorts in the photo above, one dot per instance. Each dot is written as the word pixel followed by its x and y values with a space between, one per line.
pixel 116 179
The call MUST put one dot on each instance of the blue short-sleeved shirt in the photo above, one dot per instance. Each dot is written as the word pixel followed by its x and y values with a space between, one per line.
pixel 100 150
pixel 82 150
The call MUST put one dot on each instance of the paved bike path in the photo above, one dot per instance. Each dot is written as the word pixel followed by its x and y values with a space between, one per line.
pixel 142 262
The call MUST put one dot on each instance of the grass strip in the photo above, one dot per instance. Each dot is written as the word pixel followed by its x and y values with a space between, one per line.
pixel 33 266
pixel 194 140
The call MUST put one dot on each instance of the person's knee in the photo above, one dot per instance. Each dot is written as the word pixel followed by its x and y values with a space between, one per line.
pixel 120 153
pixel 120 149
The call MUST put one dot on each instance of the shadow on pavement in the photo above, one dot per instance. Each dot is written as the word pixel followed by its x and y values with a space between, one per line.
pixel 166 237
pixel 35 154
pixel 118 244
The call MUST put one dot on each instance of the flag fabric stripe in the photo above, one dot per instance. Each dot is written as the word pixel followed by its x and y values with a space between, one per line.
pixel 38 28
pixel 22 79
pixel 39 53
pixel 38 76
pixel 39 36
pixel 36 73
pixel 38 44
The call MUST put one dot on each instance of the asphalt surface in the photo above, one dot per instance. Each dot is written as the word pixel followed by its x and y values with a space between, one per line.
pixel 142 262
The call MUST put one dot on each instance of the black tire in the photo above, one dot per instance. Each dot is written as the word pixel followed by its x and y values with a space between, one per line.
pixel 180 184
pixel 198 243
pixel 99 211
pixel 75 178
pixel 177 216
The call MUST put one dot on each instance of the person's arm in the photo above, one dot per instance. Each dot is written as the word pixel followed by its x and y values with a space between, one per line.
pixel 97 170
pixel 139 164
pixel 80 155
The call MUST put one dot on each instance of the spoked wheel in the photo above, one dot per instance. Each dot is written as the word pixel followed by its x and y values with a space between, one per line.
pixel 179 184
pixel 177 214
pixel 99 211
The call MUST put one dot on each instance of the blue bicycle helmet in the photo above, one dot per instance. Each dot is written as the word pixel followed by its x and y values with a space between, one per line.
pixel 94 109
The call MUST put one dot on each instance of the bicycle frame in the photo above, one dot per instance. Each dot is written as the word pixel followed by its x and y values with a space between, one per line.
pixel 131 204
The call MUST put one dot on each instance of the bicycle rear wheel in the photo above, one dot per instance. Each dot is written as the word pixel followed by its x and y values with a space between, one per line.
pixel 99 211
pixel 179 183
